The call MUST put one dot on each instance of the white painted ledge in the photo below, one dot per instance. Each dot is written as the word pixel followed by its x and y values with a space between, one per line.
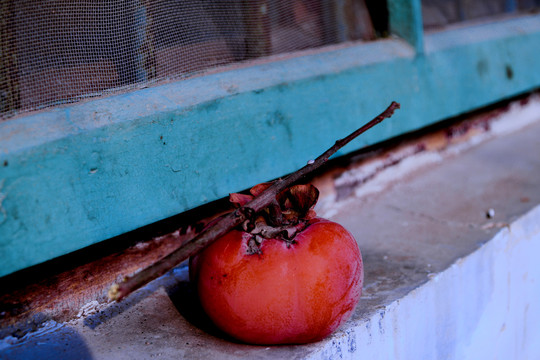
pixel 484 306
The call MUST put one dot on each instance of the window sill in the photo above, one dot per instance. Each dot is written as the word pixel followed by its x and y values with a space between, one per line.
pixel 442 280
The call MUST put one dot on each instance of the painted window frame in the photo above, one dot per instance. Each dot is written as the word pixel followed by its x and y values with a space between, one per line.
pixel 79 174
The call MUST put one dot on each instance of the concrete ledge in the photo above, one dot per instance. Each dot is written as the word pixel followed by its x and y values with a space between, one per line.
pixel 445 277
pixel 485 306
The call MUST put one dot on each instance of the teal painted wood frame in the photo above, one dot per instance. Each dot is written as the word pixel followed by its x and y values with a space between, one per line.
pixel 405 21
pixel 75 175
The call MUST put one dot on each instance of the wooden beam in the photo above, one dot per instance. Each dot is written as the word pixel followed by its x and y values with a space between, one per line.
pixel 405 21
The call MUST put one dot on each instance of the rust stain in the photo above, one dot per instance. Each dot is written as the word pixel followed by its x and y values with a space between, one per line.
pixel 378 159
pixel 59 295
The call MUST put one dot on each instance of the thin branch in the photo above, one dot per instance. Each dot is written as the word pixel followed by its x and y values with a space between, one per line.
pixel 235 218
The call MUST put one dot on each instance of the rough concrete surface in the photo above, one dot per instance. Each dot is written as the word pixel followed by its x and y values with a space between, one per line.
pixel 446 278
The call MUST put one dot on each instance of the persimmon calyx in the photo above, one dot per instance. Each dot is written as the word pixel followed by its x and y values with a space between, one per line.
pixel 282 219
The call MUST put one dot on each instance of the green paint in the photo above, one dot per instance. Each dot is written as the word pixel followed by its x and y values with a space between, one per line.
pixel 80 174
pixel 405 20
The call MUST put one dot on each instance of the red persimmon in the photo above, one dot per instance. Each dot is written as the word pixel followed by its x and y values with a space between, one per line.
pixel 286 292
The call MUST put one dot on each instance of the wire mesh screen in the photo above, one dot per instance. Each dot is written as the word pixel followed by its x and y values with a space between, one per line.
pixel 439 13
pixel 59 51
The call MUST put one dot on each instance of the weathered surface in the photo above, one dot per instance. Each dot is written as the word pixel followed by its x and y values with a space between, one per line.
pixel 39 293
pixel 443 279
pixel 76 175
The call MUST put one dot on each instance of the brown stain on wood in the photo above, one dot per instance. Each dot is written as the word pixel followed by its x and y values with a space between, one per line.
pixel 61 295
pixel 58 289
pixel 436 138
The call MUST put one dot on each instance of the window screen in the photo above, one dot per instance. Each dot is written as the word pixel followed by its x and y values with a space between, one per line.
pixel 59 51
pixel 437 13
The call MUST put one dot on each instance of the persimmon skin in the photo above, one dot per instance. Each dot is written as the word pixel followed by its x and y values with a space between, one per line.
pixel 286 294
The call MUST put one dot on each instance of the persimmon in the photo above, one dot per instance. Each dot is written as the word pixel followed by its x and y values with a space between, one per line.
pixel 290 278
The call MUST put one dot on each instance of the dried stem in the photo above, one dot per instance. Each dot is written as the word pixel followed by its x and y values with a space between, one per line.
pixel 235 218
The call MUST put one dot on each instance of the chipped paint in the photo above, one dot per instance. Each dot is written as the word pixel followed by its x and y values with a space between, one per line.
pixel 374 174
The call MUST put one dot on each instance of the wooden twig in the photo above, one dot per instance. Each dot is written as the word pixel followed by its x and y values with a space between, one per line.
pixel 235 218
